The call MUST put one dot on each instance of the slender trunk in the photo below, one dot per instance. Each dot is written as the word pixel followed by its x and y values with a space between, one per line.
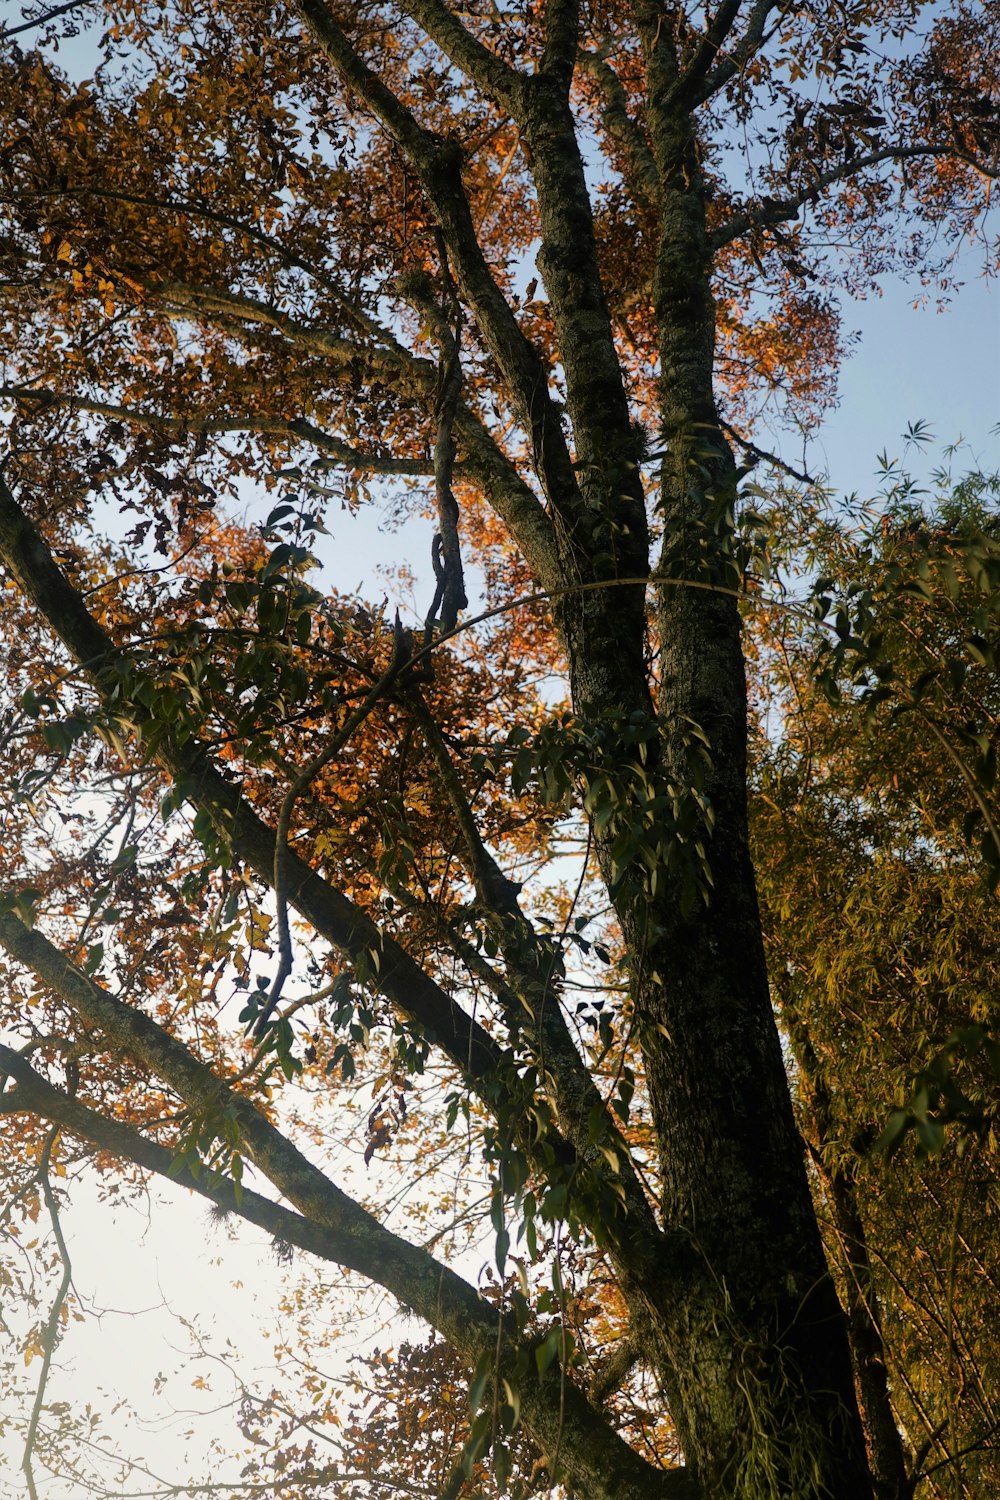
pixel 885 1444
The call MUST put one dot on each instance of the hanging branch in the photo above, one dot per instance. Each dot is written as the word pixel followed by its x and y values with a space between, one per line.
pixel 446 554
pixel 50 1332
pixel 449 595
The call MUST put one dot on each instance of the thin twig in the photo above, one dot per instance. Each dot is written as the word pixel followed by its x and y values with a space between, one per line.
pixel 50 1332
pixel 957 760
pixel 761 455
pixel 333 747
pixel 45 18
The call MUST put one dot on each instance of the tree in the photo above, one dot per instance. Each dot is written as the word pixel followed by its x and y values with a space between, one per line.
pixel 324 247
pixel 875 812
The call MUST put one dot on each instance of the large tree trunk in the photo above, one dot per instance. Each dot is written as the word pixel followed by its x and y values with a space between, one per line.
pixel 753 1344
pixel 759 1344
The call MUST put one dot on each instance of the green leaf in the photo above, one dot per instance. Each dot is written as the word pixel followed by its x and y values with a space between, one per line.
pixel 931 1135
pixel 95 954
pixel 481 1379
pixel 502 1248
pixel 548 1350
pixel 124 859
pixel 892 1136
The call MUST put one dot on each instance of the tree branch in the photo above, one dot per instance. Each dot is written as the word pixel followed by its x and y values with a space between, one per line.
pixel 862 1303
pixel 612 1373
pixel 326 1223
pixel 353 1236
pixel 295 427
pixel 287 257
pixel 498 81
pixel 514 500
pixel 607 477
pixel 483 461
pixel 654 22
pixel 562 36
pixel 979 1446
pixel 755 37
pixel 707 50
pixel 581 1113
pixel 332 915
pixel 335 1226
pixel 761 455
pixel 641 176
pixel 779 210
pixel 330 751
pixel 438 165
pixel 382 354
pixel 46 16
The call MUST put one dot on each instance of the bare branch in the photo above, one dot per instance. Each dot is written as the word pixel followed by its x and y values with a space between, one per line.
pixel 45 17
pixel 755 37
pixel 707 50
pixel 761 455
pixel 296 427
pixel 780 210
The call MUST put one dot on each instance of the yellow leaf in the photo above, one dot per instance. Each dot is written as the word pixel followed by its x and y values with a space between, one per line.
pixel 65 251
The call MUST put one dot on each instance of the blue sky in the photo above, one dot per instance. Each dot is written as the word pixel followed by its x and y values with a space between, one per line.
pixel 916 364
